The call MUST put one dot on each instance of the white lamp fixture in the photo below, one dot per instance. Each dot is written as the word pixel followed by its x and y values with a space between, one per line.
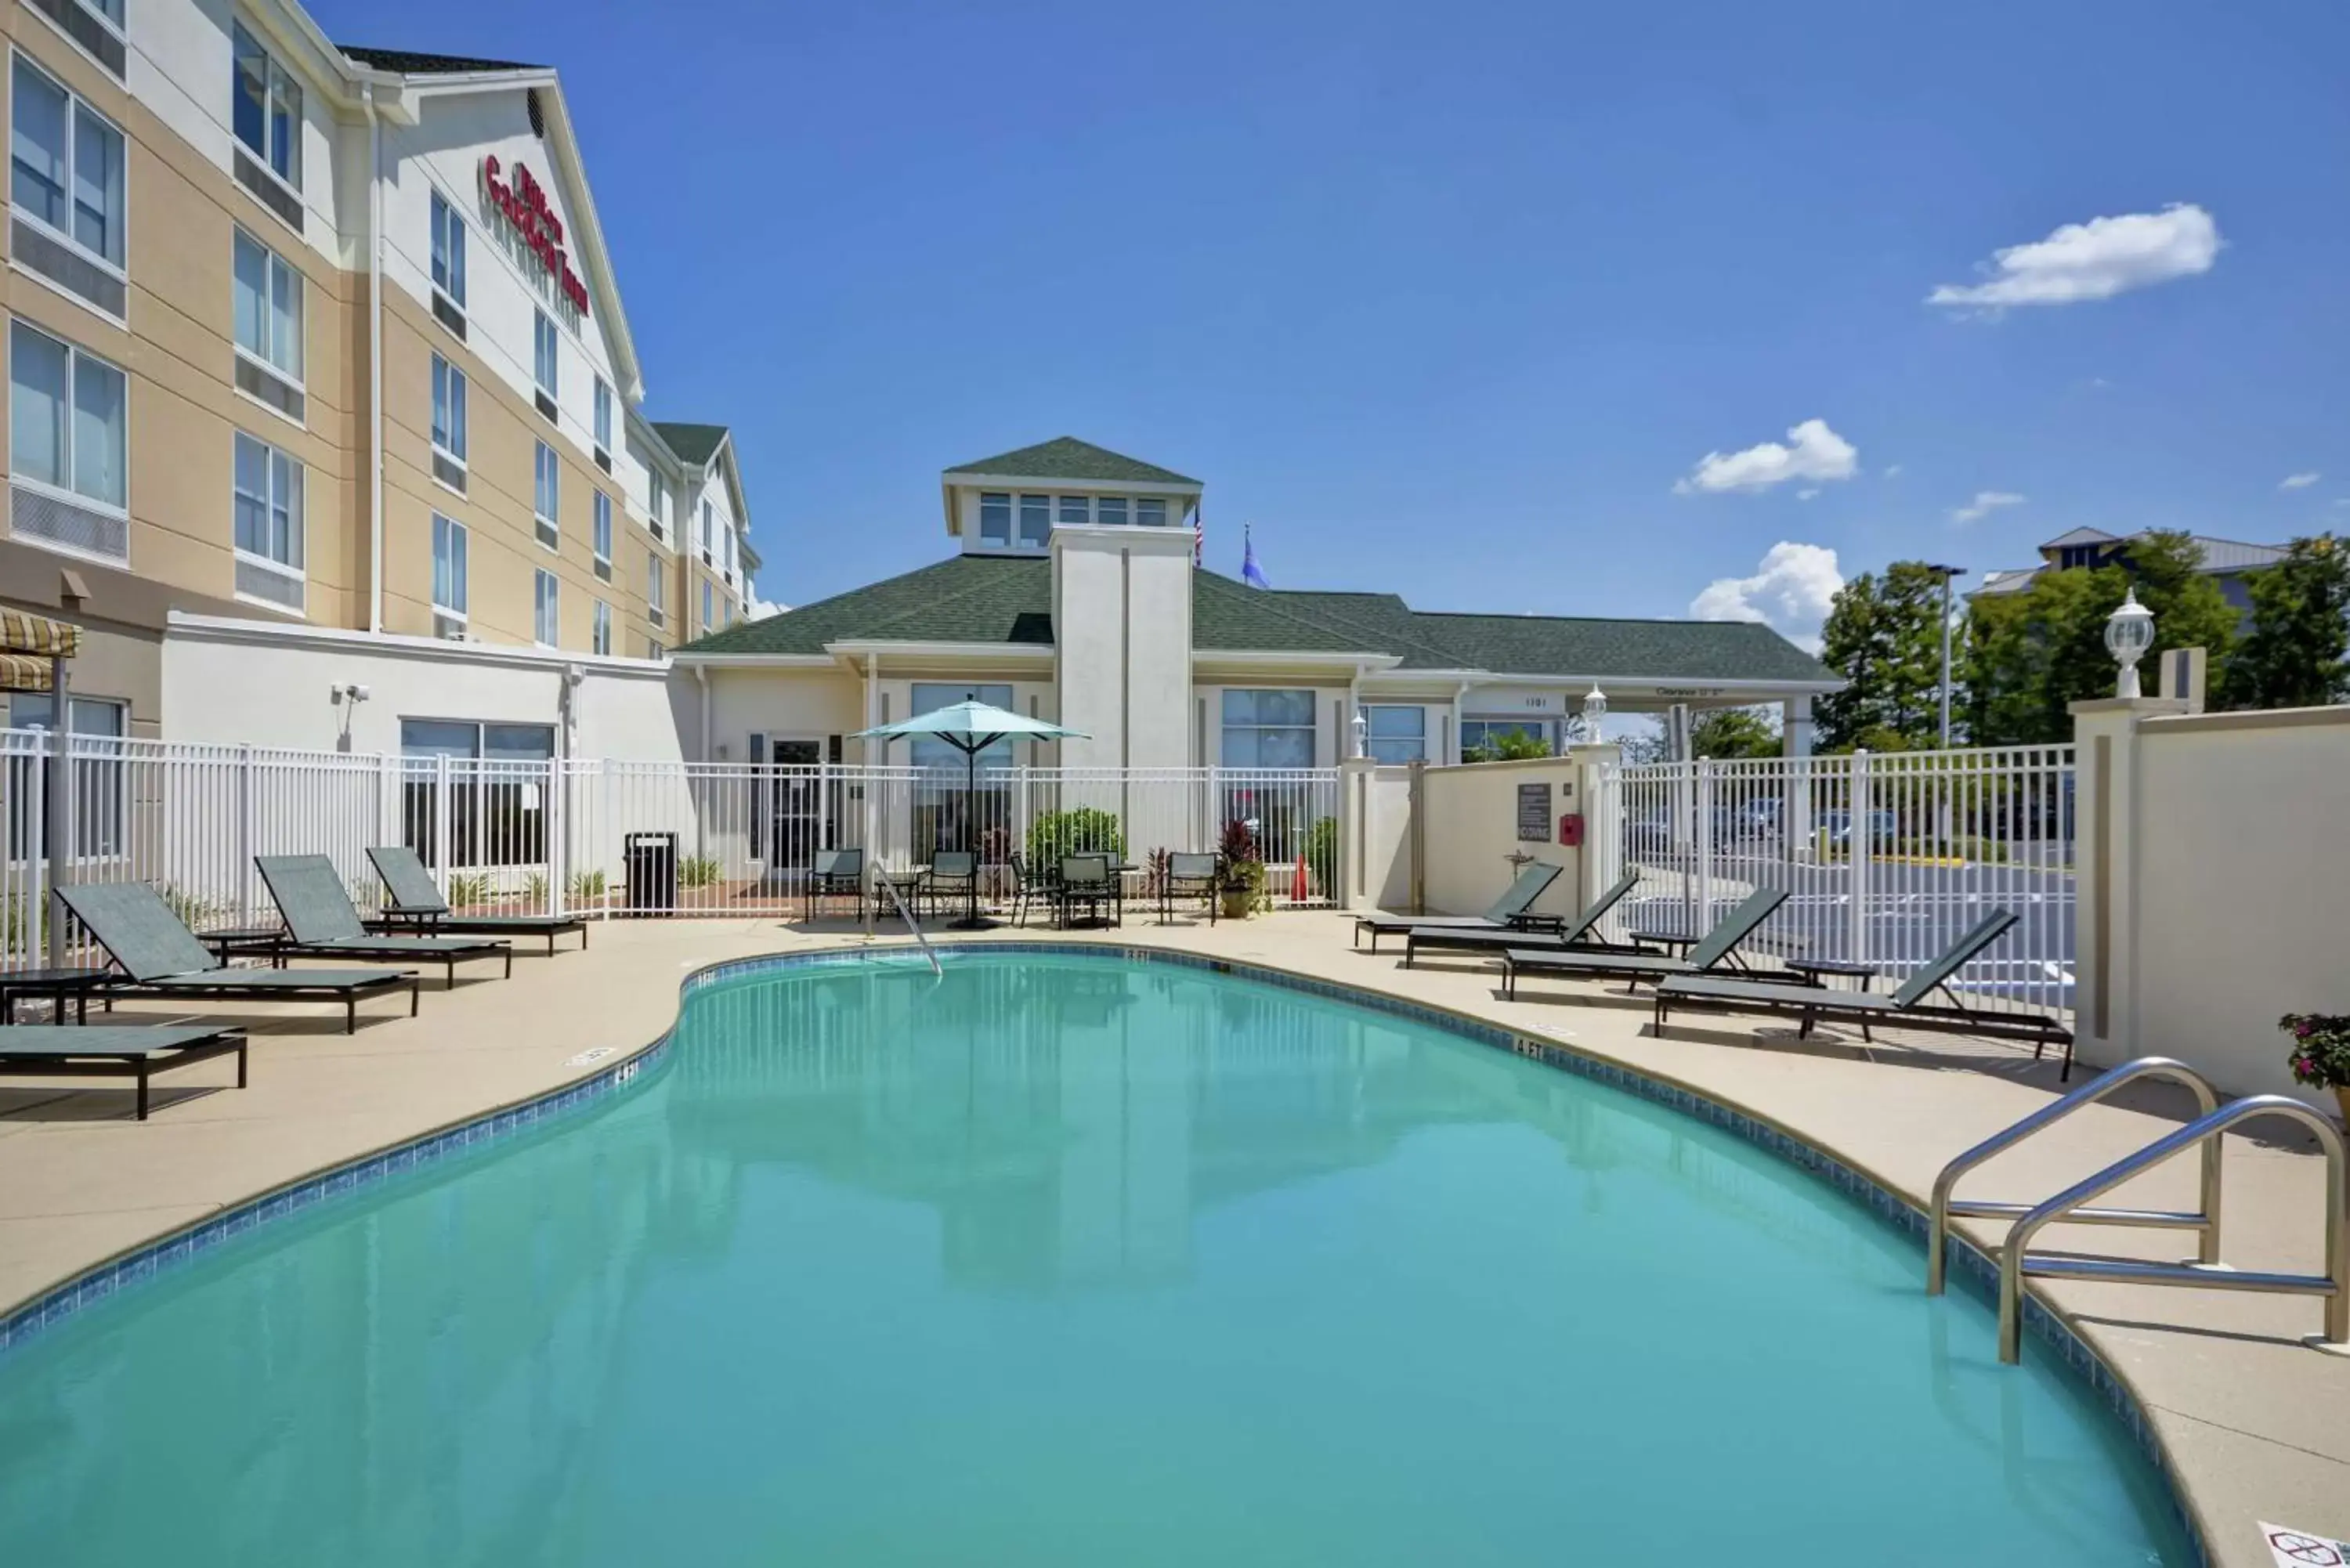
pixel 1594 709
pixel 1362 727
pixel 2129 632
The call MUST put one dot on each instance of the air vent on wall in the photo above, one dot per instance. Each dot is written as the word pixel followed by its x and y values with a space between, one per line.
pixel 537 115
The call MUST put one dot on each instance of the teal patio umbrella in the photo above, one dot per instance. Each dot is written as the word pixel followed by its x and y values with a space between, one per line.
pixel 971 727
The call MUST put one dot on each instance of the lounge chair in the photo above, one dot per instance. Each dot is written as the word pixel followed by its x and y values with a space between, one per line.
pixel 114 1050
pixel 415 902
pixel 1494 940
pixel 1509 910
pixel 159 955
pixel 835 871
pixel 322 922
pixel 1633 968
pixel 1907 1006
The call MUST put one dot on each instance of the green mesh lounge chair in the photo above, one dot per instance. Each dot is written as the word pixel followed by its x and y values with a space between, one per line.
pixel 159 955
pixel 113 1051
pixel 412 903
pixel 1907 1006
pixel 1509 910
pixel 834 873
pixel 1493 940
pixel 322 922
pixel 1633 968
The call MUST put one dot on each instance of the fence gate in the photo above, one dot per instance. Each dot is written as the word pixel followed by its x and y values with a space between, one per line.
pixel 1885 858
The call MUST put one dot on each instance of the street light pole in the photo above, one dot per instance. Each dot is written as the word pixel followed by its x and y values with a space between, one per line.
pixel 1948 575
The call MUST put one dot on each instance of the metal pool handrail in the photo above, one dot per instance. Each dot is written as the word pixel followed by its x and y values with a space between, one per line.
pixel 907 916
pixel 2014 1263
pixel 2207 1220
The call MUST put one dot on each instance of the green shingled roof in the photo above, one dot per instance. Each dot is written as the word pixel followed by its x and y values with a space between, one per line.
pixel 692 444
pixel 1067 457
pixel 1009 600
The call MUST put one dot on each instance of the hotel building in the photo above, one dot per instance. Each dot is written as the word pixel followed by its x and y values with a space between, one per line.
pixel 319 377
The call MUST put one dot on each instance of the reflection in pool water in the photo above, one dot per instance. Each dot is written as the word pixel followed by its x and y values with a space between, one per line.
pixel 1061 1260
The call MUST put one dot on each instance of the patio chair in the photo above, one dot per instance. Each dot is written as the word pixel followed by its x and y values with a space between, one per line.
pixel 1031 885
pixel 159 955
pixel 114 1050
pixel 411 902
pixel 322 922
pixel 1508 911
pixel 1088 880
pixel 1720 943
pixel 837 871
pixel 953 873
pixel 1907 1006
pixel 1575 932
pixel 1190 876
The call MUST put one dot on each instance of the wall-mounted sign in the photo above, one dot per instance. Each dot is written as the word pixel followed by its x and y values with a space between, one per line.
pixel 1537 702
pixel 1534 814
pixel 1690 690
pixel 530 216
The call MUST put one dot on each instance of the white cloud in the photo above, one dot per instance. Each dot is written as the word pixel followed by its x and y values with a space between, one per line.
pixel 756 609
pixel 2096 260
pixel 1813 452
pixel 2298 480
pixel 1892 471
pixel 1790 593
pixel 1985 503
pixel 1805 494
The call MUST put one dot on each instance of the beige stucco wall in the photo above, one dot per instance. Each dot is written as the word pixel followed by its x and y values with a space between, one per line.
pixel 2241 902
pixel 1470 820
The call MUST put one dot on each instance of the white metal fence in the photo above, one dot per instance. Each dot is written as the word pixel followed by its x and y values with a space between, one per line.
pixel 604 837
pixel 1885 858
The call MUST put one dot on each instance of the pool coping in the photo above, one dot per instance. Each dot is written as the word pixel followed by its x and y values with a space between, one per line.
pixel 22 1322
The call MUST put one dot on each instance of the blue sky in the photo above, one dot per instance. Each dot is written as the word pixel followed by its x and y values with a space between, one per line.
pixel 1447 299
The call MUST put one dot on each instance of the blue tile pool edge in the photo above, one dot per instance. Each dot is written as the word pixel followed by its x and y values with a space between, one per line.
pixel 1970 1264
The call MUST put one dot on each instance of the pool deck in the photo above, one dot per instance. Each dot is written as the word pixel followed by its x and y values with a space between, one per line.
pixel 2257 1423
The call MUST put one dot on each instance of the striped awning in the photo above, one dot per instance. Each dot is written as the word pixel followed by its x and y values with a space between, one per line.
pixel 27 643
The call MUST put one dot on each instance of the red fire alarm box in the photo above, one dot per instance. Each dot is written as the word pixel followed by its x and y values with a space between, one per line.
pixel 1570 830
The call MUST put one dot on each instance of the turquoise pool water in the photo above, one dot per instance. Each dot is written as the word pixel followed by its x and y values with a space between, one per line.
pixel 1065 1260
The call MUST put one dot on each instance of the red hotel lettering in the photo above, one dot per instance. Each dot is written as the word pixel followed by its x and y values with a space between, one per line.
pixel 524 205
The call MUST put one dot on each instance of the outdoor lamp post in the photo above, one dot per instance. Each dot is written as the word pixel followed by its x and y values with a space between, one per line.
pixel 1594 709
pixel 1362 734
pixel 2129 632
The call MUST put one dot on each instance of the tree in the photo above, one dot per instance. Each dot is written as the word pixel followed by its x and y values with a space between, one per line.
pixel 2297 654
pixel 1733 732
pixel 1508 746
pixel 2030 656
pixel 1885 638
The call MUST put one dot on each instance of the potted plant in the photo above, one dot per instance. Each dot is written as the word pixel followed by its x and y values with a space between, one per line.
pixel 1243 871
pixel 2321 1052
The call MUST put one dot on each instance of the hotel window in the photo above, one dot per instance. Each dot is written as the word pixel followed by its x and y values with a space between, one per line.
pixel 1476 734
pixel 267 491
pixel 545 491
pixel 448 577
pixel 1398 735
pixel 448 424
pixel 268 310
pixel 545 623
pixel 705 533
pixel 496 817
pixel 95 25
pixel 265 114
pixel 100 795
pixel 603 540
pixel 995 520
pixel 1268 728
pixel 1151 512
pixel 546 360
pixel 707 620
pixel 65 185
pixel 653 649
pixel 657 504
pixel 1036 519
pixel 67 446
pixel 1109 510
pixel 1077 511
pixel 448 265
pixel 602 642
pixel 726 536
pixel 604 424
pixel 656 590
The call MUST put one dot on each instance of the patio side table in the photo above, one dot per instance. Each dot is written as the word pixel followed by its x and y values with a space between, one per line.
pixel 57 984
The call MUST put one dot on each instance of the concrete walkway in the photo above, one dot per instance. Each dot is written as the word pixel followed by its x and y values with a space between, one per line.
pixel 2258 1424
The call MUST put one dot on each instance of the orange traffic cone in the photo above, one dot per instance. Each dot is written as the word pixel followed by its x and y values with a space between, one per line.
pixel 1297 883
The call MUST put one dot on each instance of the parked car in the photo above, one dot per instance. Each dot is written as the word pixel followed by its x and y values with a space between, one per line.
pixel 1835 828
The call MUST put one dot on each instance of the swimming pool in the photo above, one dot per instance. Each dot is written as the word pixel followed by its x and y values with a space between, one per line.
pixel 1067 1258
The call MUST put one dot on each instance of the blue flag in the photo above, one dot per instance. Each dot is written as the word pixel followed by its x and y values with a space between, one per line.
pixel 1250 572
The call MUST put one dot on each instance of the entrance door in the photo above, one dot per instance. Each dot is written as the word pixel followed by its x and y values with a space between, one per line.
pixel 796 824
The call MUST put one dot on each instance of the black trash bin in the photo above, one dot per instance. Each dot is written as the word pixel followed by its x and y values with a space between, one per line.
pixel 651 860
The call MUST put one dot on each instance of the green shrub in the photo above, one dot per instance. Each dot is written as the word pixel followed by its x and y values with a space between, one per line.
pixel 467 888
pixel 587 886
pixel 193 908
pixel 698 871
pixel 1322 854
pixel 1082 830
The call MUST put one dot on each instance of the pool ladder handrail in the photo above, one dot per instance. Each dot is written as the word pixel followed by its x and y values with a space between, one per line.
pixel 1945 1205
pixel 907 916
